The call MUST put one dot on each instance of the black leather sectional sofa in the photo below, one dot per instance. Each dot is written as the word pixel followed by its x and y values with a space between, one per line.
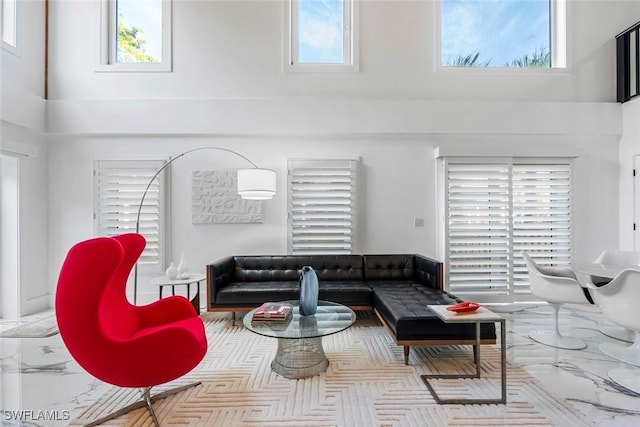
pixel 397 288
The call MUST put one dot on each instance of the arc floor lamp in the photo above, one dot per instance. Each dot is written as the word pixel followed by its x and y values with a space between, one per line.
pixel 253 184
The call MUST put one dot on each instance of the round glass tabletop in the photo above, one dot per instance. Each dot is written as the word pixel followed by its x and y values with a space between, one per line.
pixel 330 318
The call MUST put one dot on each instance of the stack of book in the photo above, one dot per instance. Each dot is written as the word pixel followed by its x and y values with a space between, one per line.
pixel 273 311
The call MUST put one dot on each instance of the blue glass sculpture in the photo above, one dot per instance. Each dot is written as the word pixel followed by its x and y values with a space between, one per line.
pixel 308 291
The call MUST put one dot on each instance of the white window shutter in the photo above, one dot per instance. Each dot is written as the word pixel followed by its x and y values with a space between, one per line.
pixel 541 218
pixel 497 210
pixel 478 223
pixel 322 206
pixel 119 186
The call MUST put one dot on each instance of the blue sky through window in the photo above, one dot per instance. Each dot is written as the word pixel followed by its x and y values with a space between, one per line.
pixel 320 31
pixel 147 16
pixel 501 31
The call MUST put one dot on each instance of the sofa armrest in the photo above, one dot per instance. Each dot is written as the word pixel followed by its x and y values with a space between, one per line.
pixel 429 272
pixel 219 275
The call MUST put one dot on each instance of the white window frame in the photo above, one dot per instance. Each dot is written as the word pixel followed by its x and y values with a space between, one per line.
pixel 106 61
pixel 350 41
pixel 335 212
pixel 138 173
pixel 14 15
pixel 558 32
pixel 512 283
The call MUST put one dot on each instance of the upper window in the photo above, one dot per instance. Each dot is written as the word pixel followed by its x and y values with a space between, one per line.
pixel 627 59
pixel 502 33
pixel 321 35
pixel 8 10
pixel 135 35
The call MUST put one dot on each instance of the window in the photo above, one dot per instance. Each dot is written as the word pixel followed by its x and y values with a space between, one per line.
pixel 628 63
pixel 8 10
pixel 119 186
pixel 502 33
pixel 322 35
pixel 322 206
pixel 496 210
pixel 135 35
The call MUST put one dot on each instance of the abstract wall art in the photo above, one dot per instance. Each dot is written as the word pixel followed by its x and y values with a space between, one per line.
pixel 215 199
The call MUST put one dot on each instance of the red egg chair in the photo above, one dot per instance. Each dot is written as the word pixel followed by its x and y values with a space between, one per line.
pixel 115 341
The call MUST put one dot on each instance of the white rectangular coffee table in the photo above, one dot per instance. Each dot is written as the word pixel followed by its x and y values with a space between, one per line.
pixel 482 315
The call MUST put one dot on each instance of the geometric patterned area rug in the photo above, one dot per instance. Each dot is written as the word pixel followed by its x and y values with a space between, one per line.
pixel 366 384
pixel 41 328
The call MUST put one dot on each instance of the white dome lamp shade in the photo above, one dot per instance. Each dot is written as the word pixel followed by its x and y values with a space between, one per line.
pixel 256 184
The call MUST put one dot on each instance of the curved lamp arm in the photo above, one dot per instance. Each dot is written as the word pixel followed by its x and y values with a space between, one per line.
pixel 266 190
pixel 146 190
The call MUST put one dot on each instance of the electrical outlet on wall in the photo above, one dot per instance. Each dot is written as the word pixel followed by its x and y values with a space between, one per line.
pixel 418 222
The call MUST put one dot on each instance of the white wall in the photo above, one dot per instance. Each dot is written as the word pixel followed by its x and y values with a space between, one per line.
pixel 397 185
pixel 22 123
pixel 233 49
pixel 629 147
pixel 227 88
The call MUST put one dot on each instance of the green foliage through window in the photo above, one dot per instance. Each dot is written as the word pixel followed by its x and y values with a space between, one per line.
pixel 470 60
pixel 131 46
pixel 538 58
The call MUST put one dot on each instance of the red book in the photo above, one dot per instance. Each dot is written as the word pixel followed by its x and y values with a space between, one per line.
pixel 273 310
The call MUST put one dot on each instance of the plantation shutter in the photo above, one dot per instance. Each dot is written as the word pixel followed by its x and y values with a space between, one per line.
pixel 497 210
pixel 478 228
pixel 119 186
pixel 541 218
pixel 322 206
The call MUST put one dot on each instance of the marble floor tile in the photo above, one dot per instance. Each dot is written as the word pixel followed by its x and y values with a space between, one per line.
pixel 41 385
pixel 580 376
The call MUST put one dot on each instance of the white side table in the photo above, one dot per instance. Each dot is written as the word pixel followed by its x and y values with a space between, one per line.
pixel 163 281
pixel 482 315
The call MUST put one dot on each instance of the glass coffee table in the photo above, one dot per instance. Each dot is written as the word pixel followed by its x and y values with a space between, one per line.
pixel 300 353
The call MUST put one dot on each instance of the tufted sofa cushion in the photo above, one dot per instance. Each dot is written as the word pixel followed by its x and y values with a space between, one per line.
pixel 271 268
pixel 253 293
pixel 403 306
pixel 251 280
pixel 402 268
pixel 351 293
pixel 389 267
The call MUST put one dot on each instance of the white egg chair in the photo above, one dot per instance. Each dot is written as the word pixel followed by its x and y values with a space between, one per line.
pixel 556 286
